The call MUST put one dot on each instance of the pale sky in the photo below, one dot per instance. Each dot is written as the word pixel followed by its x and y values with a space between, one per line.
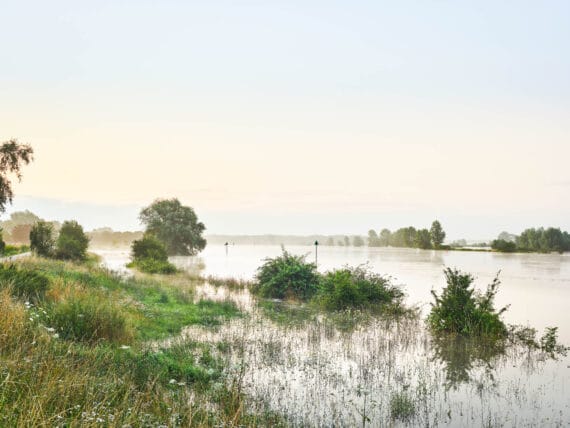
pixel 292 116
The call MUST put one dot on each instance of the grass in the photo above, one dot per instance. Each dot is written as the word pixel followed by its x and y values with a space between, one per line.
pixel 12 250
pixel 81 351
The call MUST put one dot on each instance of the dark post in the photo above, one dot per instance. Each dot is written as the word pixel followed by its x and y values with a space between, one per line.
pixel 316 252
pixel 226 245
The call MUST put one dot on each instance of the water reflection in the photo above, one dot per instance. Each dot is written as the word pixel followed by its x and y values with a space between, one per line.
pixel 462 356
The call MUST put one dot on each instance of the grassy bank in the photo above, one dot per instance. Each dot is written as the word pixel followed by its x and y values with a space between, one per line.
pixel 76 350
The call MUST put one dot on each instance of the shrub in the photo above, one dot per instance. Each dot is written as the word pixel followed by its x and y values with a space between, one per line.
pixel 287 276
pixel 149 255
pixel 460 309
pixel 357 288
pixel 148 247
pixel 41 239
pixel 89 318
pixel 72 242
pixel 503 246
pixel 26 284
pixel 154 266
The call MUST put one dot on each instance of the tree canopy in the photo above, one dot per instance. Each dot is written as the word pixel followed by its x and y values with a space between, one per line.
pixel 175 225
pixel 13 156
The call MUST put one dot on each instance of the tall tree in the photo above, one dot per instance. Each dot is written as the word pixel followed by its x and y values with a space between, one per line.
pixel 13 156
pixel 437 234
pixel 175 225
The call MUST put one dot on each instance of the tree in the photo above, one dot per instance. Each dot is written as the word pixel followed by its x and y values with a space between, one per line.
pixel 385 238
pixel 13 156
pixel 72 242
pixel 423 239
pixel 437 234
pixel 373 240
pixel 175 225
pixel 357 241
pixel 41 239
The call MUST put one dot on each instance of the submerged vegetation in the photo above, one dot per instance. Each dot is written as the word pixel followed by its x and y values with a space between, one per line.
pixel 287 276
pixel 460 309
pixel 357 288
pixel 291 277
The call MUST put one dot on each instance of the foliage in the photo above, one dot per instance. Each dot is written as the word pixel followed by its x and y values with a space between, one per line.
pixel 72 242
pixel 409 237
pixel 12 250
pixel 90 317
pixel 462 310
pixel 148 247
pixel 437 234
pixel 65 376
pixel 544 240
pixel 287 276
pixel 503 246
pixel 41 239
pixel 27 284
pixel 423 239
pixel 357 241
pixel 13 156
pixel 149 255
pixel 357 288
pixel 175 225
pixel 2 243
pixel 402 407
pixel 154 266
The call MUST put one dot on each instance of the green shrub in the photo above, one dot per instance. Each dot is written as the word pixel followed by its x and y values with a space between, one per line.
pixel 41 239
pixel 26 284
pixel 462 310
pixel 154 266
pixel 503 246
pixel 72 242
pixel 357 288
pixel 148 247
pixel 149 255
pixel 402 407
pixel 89 318
pixel 287 276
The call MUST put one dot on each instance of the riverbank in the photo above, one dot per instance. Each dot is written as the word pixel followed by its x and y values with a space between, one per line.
pixel 98 348
pixel 79 349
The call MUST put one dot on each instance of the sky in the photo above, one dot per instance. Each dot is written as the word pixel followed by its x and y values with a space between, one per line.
pixel 292 117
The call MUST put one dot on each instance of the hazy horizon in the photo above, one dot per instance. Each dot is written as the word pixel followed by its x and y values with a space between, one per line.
pixel 292 117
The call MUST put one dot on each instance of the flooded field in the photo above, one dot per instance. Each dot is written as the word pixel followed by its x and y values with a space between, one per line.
pixel 353 370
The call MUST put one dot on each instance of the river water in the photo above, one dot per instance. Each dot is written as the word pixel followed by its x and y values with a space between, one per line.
pixel 318 375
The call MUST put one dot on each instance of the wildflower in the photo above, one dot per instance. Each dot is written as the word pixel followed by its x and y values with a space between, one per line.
pixel 50 329
pixel 172 381
pixel 56 336
pixel 125 347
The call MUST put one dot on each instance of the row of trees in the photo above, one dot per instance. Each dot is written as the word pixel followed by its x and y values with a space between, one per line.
pixel 539 240
pixel 70 244
pixel 409 237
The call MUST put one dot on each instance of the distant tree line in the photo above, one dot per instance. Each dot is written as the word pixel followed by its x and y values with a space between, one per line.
pixel 409 237
pixel 539 240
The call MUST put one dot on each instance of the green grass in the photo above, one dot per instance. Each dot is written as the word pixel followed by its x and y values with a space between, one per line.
pixel 157 307
pixel 80 355
pixel 12 250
